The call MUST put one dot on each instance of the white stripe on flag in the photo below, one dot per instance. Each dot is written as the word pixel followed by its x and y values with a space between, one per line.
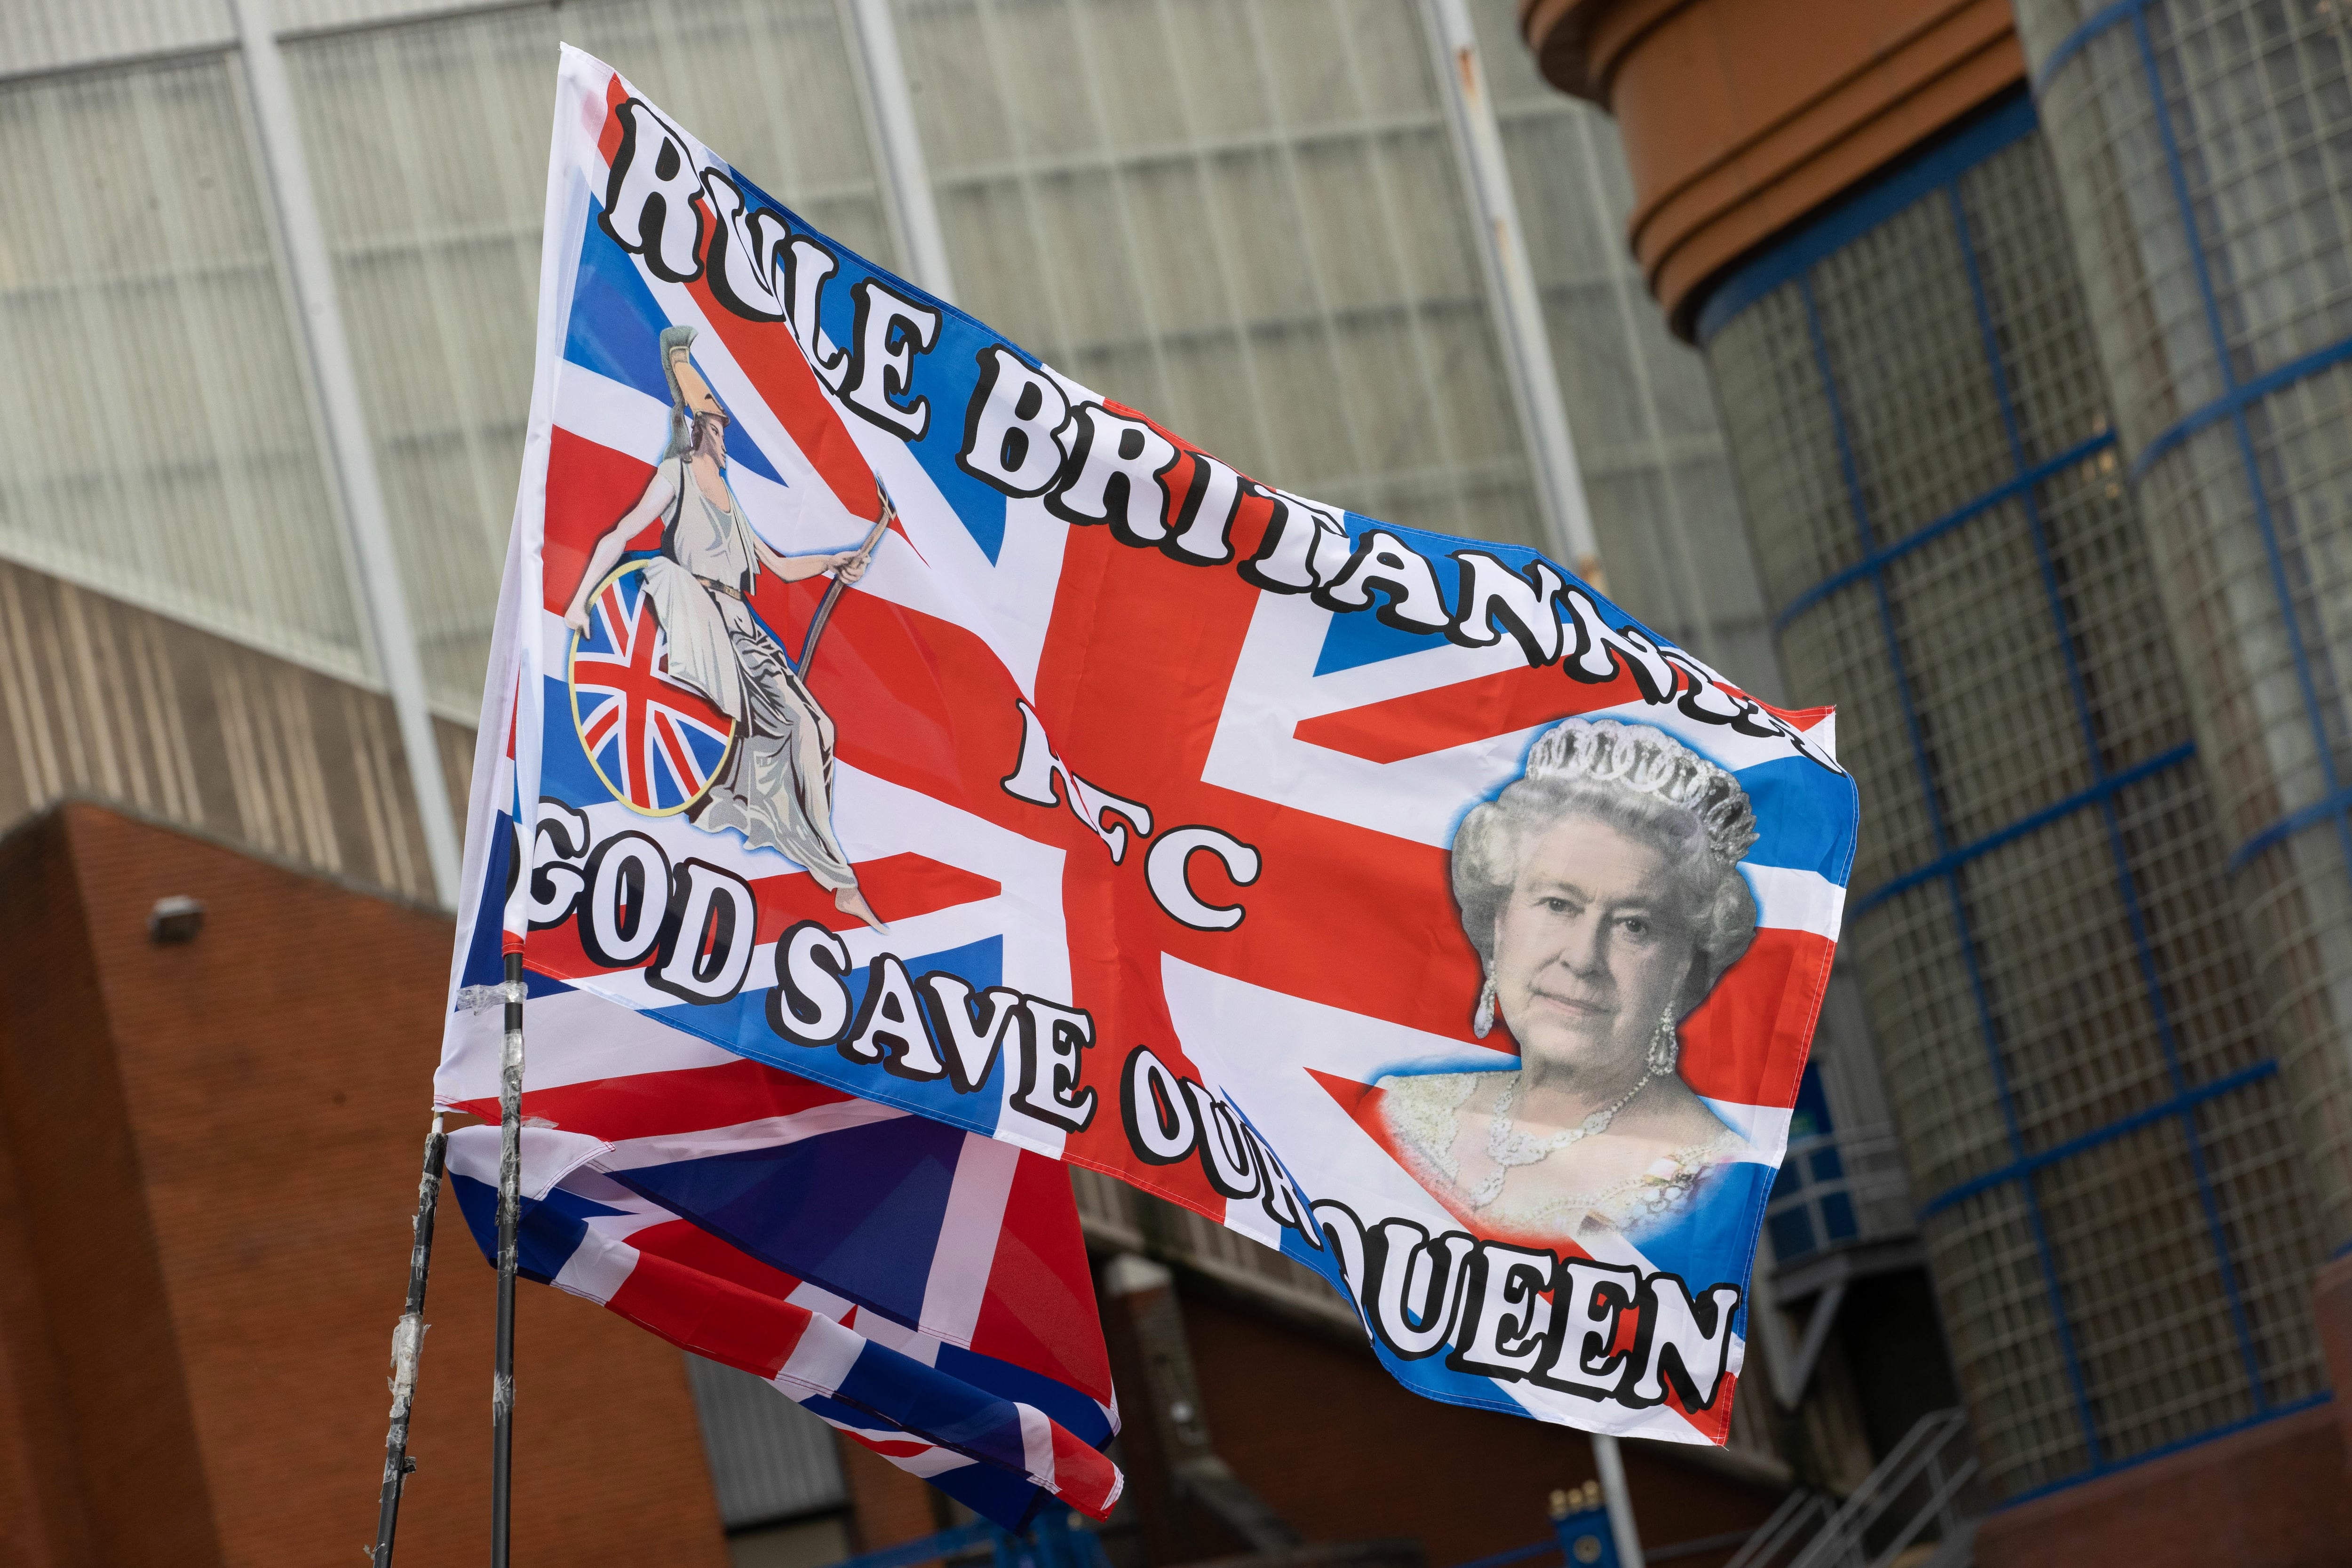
pixel 910 1342
pixel 1036 1444
pixel 773 1131
pixel 967 1236
pixel 597 1268
pixel 1790 899
pixel 598 408
pixel 822 1359
pixel 929 1461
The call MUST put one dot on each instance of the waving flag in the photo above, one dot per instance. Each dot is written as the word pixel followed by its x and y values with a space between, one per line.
pixel 906 1372
pixel 1393 900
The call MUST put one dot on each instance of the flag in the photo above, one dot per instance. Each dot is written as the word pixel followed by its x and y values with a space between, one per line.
pixel 902 1366
pixel 1392 898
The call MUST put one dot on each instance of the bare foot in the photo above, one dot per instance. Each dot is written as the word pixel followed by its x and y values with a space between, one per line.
pixel 850 901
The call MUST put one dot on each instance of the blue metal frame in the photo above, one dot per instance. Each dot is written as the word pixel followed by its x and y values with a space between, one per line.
pixel 1939 173
pixel 1945 864
pixel 1056 1539
pixel 1985 1020
pixel 2237 416
pixel 2237 398
pixel 2125 883
pixel 1966 512
pixel 1850 218
pixel 2180 1104
pixel 2076 42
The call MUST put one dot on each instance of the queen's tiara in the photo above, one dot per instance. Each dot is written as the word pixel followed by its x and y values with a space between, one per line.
pixel 1653 763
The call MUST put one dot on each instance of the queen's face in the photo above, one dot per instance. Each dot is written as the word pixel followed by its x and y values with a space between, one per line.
pixel 1591 945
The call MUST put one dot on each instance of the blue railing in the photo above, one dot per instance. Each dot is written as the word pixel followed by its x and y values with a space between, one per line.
pixel 1580 1536
pixel 1056 1540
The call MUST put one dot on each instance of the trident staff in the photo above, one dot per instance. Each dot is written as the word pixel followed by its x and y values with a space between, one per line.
pixel 840 579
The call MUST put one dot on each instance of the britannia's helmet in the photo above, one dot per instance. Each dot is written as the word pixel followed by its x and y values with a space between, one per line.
pixel 681 418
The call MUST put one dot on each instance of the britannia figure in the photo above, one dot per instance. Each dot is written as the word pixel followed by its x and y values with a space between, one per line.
pixel 776 786
pixel 1601 890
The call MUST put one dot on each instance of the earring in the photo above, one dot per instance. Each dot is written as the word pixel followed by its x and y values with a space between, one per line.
pixel 1663 1046
pixel 1481 1022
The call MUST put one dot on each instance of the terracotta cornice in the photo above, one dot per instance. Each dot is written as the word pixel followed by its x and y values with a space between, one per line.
pixel 1740 118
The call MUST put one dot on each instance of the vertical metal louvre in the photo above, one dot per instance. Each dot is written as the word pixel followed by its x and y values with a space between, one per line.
pixel 156 439
pixel 426 142
pixel 2205 151
pixel 1655 471
pixel 2068 1013
pixel 770 1459
pixel 1241 215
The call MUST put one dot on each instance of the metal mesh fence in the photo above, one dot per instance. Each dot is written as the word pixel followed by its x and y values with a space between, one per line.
pixel 2066 1008
pixel 2204 148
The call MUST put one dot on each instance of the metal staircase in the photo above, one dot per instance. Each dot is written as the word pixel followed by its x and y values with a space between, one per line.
pixel 1918 1509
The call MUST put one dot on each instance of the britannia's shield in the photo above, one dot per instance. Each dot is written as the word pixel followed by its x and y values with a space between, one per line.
pixel 656 742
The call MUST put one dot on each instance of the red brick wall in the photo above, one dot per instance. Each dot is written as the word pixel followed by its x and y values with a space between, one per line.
pixel 1344 1453
pixel 44 1520
pixel 215 1148
pixel 2273 1496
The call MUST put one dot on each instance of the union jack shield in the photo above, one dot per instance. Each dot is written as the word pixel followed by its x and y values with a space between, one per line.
pixel 655 741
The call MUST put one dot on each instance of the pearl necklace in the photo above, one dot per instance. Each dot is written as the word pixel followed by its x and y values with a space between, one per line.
pixel 1508 1147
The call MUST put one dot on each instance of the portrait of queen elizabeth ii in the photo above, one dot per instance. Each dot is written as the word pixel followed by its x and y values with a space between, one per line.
pixel 1601 890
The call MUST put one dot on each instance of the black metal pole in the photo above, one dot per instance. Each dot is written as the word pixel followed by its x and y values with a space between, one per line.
pixel 408 1344
pixel 510 1217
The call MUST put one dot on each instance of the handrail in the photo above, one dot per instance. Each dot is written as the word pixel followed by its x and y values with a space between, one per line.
pixel 1840 1533
pixel 1841 1542
pixel 1798 1510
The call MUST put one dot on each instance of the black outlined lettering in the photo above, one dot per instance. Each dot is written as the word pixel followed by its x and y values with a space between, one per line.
pixel 1011 425
pixel 1408 598
pixel 890 1027
pixel 746 252
pixel 1493 599
pixel 810 1002
pixel 649 205
pixel 1151 1104
pixel 973 1044
pixel 1683 1343
pixel 1588 1300
pixel 1117 474
pixel 1050 1066
pixel 560 846
pixel 890 331
pixel 627 900
pixel 1227 1156
pixel 707 935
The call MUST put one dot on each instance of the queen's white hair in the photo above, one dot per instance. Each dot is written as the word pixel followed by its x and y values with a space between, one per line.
pixel 1647 786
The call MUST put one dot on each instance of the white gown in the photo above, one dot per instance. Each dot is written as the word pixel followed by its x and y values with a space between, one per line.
pixel 776 788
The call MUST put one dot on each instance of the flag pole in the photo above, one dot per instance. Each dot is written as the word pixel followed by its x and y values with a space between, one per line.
pixel 408 1343
pixel 510 1217
pixel 1609 1460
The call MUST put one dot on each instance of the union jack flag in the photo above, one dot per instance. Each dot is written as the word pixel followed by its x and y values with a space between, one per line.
pixel 656 741
pixel 1153 771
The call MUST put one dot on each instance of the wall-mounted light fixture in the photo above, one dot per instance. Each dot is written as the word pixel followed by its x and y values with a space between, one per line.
pixel 176 919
